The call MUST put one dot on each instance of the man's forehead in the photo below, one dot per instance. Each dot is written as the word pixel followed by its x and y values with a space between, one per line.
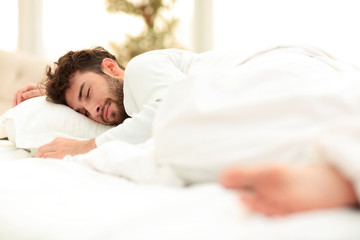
pixel 75 81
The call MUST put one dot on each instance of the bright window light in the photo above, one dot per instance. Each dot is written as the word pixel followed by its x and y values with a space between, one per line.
pixel 8 26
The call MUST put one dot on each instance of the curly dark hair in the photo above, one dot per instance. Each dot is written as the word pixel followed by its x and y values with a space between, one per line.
pixel 57 80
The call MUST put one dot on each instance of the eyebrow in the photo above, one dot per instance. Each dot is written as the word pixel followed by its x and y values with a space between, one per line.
pixel 81 90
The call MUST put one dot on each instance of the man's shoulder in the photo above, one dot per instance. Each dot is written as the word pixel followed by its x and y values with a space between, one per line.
pixel 158 57
pixel 160 53
pixel 143 64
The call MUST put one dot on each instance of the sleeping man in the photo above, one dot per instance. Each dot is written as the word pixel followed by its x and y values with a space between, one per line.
pixel 93 83
pixel 235 108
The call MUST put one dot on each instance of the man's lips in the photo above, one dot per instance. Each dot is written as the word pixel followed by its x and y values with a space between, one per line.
pixel 106 112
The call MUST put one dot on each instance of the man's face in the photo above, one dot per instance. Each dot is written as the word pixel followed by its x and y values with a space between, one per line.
pixel 97 97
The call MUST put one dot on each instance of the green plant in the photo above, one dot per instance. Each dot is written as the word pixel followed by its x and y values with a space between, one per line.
pixel 158 32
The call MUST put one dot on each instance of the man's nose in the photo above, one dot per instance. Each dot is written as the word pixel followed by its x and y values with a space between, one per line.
pixel 94 110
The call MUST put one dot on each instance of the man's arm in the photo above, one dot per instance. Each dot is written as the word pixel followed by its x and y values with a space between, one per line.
pixel 147 79
pixel 30 90
pixel 133 130
pixel 60 147
pixel 136 129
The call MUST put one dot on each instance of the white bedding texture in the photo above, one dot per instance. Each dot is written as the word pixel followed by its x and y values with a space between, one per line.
pixel 54 199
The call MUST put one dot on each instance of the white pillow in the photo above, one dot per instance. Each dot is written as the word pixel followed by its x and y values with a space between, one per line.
pixel 36 122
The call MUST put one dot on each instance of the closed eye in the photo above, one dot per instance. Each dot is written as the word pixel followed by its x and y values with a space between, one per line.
pixel 86 113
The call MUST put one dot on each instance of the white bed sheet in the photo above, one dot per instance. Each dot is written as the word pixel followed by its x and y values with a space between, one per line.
pixel 54 199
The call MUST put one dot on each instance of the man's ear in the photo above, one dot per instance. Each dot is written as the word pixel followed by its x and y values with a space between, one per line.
pixel 111 68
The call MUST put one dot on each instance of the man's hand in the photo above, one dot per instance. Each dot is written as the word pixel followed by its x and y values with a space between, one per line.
pixel 30 90
pixel 60 147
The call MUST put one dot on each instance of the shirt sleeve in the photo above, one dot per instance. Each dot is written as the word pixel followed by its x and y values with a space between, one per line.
pixel 136 129
pixel 149 75
pixel 147 79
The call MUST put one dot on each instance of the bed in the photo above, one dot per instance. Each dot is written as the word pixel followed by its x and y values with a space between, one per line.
pixel 67 199
pixel 99 196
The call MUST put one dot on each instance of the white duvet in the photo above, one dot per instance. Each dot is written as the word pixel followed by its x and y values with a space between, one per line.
pixel 55 199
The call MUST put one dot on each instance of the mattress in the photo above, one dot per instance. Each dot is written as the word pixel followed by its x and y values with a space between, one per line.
pixel 56 199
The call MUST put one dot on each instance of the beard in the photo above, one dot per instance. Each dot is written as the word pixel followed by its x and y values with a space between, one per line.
pixel 118 115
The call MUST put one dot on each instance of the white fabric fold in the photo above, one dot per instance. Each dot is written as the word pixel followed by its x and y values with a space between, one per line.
pixel 134 162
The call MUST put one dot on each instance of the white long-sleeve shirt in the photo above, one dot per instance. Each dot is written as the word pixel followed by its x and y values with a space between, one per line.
pixel 146 81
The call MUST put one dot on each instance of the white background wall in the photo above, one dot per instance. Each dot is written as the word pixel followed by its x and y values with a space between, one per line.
pixel 8 25
pixel 332 25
